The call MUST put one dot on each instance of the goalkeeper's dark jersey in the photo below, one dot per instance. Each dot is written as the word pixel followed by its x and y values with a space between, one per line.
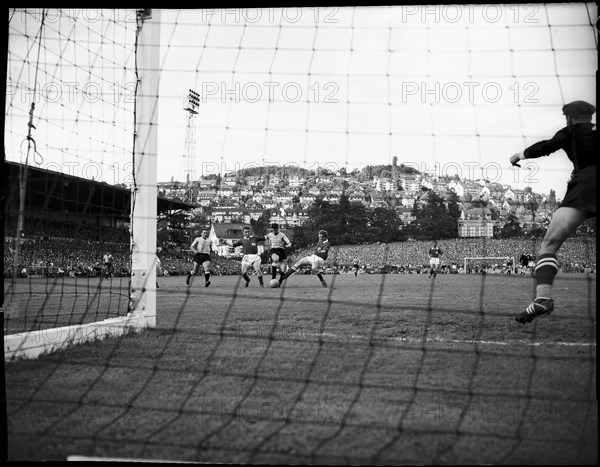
pixel 578 141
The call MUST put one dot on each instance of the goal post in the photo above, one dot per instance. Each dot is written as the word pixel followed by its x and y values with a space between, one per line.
pixel 488 261
pixel 116 304
pixel 144 191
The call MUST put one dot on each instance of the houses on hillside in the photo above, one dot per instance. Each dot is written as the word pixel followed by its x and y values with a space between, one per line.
pixel 285 200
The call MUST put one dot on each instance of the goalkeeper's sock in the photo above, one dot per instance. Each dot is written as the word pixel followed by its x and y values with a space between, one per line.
pixel 544 273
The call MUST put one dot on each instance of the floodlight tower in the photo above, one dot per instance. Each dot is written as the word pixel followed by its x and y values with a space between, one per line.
pixel 190 105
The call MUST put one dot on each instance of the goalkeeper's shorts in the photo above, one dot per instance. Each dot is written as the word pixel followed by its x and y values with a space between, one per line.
pixel 581 191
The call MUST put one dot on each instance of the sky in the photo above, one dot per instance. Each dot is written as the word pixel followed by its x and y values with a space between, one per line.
pixel 446 89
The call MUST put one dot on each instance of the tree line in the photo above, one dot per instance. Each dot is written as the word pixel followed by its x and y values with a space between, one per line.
pixel 352 223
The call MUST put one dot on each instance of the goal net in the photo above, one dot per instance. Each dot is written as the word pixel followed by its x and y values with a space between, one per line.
pixel 128 127
pixel 80 167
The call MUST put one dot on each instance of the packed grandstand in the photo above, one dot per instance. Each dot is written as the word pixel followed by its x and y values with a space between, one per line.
pixel 59 249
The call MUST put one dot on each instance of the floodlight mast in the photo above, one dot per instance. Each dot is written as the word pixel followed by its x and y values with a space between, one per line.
pixel 190 105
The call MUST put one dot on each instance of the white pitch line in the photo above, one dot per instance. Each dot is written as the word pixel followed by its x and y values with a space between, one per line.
pixel 459 341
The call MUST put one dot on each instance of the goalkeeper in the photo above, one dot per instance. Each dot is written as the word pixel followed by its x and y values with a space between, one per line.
pixel 578 140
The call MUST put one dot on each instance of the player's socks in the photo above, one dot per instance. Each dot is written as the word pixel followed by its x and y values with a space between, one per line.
pixel 273 272
pixel 544 273
pixel 323 283
pixel 247 279
pixel 260 281
pixel 288 273
pixel 206 279
pixel 187 279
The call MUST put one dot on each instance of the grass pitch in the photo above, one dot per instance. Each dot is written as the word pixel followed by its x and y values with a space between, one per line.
pixel 374 369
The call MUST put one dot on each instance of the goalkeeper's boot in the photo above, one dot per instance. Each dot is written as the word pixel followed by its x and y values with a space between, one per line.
pixel 540 306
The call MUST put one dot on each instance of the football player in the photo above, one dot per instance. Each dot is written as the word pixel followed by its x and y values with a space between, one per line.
pixel 278 242
pixel 202 248
pixel 316 260
pixel 250 258
pixel 578 140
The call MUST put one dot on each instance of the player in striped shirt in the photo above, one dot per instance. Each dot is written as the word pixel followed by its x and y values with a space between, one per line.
pixel 250 258
pixel 316 260
pixel 578 140
pixel 278 243
pixel 202 248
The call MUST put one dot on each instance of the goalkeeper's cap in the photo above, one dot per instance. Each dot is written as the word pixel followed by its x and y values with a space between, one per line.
pixel 579 109
pixel 324 233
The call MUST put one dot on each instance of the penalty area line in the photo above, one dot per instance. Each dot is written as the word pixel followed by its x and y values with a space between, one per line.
pixel 457 341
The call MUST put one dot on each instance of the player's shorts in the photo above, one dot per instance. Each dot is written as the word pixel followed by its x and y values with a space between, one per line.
pixel 434 261
pixel 279 252
pixel 251 261
pixel 581 191
pixel 201 258
pixel 108 266
pixel 316 262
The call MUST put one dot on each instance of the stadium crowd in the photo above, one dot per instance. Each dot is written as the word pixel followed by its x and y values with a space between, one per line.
pixel 578 255
pixel 41 255
pixel 64 257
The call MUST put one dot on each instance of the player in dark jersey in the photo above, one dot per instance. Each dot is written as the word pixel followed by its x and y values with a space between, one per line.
pixel 316 260
pixel 434 259
pixel 578 140
pixel 355 267
pixel 250 256
pixel 524 260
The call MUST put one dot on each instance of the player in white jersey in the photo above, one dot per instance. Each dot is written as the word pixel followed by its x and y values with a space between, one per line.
pixel 108 265
pixel 158 266
pixel 316 260
pixel 202 248
pixel 278 242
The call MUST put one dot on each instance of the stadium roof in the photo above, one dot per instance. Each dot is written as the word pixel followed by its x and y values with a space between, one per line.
pixel 54 191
